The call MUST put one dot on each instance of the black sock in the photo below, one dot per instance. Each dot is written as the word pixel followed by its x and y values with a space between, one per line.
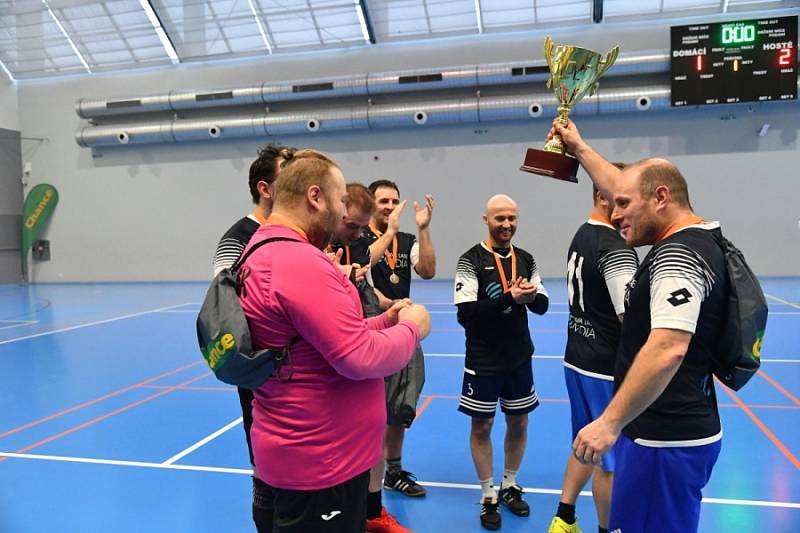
pixel 601 530
pixel 394 465
pixel 566 512
pixel 374 505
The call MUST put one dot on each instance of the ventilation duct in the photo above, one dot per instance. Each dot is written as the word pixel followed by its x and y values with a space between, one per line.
pixel 420 114
pixel 363 85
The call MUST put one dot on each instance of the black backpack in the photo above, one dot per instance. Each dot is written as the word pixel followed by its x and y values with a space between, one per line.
pixel 224 335
pixel 738 354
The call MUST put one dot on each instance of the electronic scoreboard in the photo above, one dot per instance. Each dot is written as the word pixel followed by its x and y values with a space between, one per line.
pixel 729 62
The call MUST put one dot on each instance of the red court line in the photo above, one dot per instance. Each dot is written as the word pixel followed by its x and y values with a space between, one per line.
pixel 775 440
pixel 425 404
pixel 758 406
pixel 214 389
pixel 447 397
pixel 779 387
pixel 107 415
pixel 96 400
pixel 563 400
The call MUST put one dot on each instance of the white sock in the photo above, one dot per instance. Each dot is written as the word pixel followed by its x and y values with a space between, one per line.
pixel 509 478
pixel 487 489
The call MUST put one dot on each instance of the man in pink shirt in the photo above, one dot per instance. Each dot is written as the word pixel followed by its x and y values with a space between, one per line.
pixel 318 423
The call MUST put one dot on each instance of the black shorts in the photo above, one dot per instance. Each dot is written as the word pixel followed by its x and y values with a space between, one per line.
pixel 339 509
pixel 403 390
pixel 515 390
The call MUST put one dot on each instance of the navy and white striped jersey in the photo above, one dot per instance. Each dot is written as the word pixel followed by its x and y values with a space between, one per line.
pixel 233 243
pixel 497 336
pixel 682 284
pixel 599 266
pixel 407 259
pixel 358 251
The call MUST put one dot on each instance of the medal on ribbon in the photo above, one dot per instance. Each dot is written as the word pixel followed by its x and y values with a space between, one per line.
pixel 391 256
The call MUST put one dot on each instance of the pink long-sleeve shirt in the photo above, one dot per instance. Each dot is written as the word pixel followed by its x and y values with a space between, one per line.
pixel 320 422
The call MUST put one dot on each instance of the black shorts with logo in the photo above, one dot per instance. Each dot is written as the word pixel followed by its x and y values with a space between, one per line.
pixel 514 389
pixel 338 509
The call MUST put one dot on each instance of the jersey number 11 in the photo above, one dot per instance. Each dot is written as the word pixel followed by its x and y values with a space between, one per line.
pixel 574 268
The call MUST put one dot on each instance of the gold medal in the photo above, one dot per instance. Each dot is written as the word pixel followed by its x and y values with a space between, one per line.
pixel 394 278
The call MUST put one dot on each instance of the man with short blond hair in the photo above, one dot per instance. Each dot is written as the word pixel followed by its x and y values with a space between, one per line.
pixel 318 423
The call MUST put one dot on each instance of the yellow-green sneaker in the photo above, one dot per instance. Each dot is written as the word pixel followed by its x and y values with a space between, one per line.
pixel 559 526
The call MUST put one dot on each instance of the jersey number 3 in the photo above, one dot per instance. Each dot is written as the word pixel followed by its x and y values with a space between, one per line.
pixel 574 274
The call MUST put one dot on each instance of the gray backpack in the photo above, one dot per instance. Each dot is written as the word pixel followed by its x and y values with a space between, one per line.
pixel 738 353
pixel 224 335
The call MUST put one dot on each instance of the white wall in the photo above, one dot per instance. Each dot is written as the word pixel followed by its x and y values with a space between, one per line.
pixel 9 107
pixel 156 213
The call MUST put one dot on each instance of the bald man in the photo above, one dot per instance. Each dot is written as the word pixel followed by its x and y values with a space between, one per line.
pixel 495 285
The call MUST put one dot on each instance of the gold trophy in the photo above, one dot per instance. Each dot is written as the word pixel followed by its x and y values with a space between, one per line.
pixel 573 72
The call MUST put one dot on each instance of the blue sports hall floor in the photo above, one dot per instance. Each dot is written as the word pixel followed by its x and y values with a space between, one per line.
pixel 111 422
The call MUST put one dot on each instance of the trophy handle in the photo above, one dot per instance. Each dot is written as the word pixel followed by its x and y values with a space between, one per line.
pixel 606 63
pixel 548 48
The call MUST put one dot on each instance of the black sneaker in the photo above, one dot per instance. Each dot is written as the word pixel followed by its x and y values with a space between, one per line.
pixel 490 516
pixel 404 482
pixel 511 497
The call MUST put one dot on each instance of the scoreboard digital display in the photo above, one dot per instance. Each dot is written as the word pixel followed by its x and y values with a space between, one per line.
pixel 730 62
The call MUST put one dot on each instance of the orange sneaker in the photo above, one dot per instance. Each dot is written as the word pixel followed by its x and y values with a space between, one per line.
pixel 386 523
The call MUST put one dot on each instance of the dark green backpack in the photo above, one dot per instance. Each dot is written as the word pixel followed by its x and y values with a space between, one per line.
pixel 738 355
pixel 224 335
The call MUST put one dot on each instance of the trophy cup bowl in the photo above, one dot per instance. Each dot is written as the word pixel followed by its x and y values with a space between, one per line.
pixel 574 71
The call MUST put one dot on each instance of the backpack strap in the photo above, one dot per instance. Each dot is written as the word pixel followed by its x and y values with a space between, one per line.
pixel 238 264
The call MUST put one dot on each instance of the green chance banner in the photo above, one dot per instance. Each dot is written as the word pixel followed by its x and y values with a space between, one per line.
pixel 39 205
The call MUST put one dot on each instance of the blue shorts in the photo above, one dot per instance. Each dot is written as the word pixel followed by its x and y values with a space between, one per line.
pixel 588 398
pixel 515 390
pixel 658 490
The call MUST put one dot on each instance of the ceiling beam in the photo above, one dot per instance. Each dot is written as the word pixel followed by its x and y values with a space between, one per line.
pixel 67 36
pixel 365 20
pixel 597 11
pixel 161 32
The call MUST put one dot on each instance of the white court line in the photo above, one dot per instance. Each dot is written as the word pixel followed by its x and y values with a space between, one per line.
pixel 461 356
pixel 202 442
pixel 98 322
pixel 195 311
pixel 454 312
pixel 17 323
pixel 243 471
pixel 114 462
pixel 724 501
pixel 781 300
pixel 452 303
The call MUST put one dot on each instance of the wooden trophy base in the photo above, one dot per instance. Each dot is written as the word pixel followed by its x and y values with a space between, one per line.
pixel 551 164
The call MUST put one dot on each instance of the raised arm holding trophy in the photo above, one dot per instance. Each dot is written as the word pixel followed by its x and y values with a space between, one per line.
pixel 574 71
